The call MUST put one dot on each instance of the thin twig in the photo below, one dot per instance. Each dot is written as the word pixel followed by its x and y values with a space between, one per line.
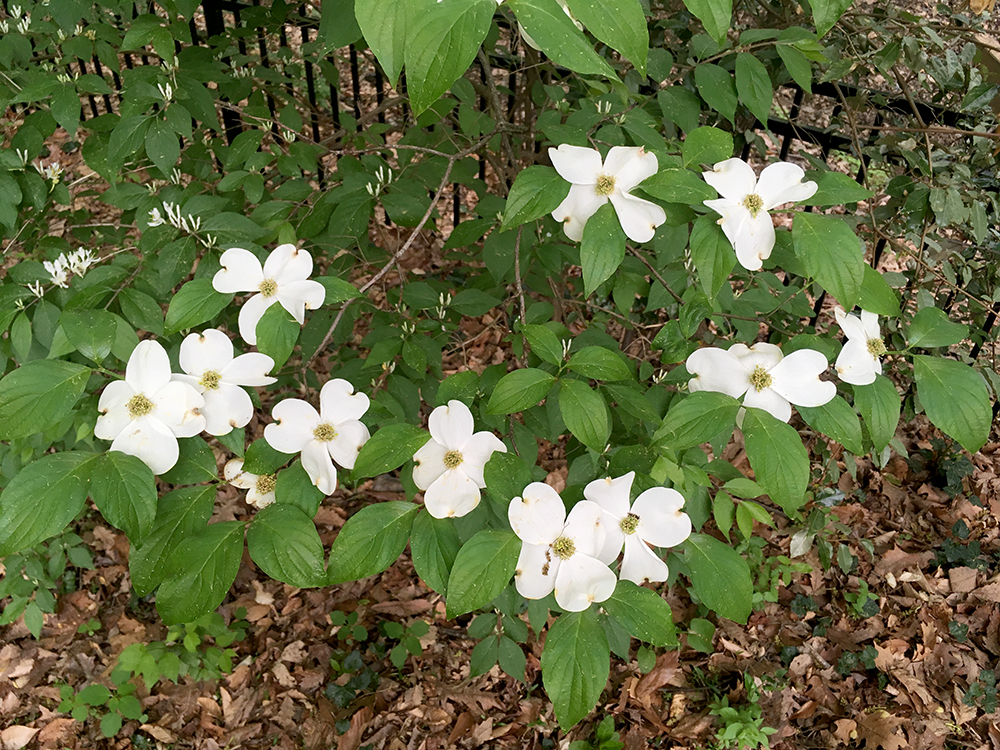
pixel 517 276
pixel 656 274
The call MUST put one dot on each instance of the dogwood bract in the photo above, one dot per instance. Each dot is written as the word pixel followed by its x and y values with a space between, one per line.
pixel 655 518
pixel 858 362
pixel 770 381
pixel 449 467
pixel 334 433
pixel 558 552
pixel 212 370
pixel 595 183
pixel 144 414
pixel 260 487
pixel 745 203
pixel 284 278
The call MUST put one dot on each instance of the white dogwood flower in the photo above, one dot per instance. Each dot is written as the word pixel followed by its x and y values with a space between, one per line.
pixel 595 183
pixel 334 433
pixel 449 467
pixel 859 361
pixel 283 278
pixel 745 203
pixel 770 381
pixel 144 414
pixel 260 487
pixel 558 552
pixel 210 367
pixel 654 518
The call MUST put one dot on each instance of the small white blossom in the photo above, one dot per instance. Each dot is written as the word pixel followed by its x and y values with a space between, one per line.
pixel 80 261
pixel 594 183
pixel 449 467
pixel 58 270
pixel 283 278
pixel 156 218
pixel 860 360
pixel 166 91
pixel 36 288
pixel 559 553
pixel 260 486
pixel 144 414
pixel 334 433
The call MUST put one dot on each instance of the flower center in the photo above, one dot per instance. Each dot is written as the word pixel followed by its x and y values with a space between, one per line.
pixel 139 406
pixel 760 378
pixel 268 287
pixel 325 432
pixel 266 483
pixel 629 524
pixel 210 380
pixel 876 347
pixel 605 184
pixel 452 459
pixel 564 548
pixel 754 204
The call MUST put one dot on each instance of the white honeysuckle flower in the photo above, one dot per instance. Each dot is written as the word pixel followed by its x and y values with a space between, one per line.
pixel 211 369
pixel 654 518
pixel 283 278
pixel 559 553
pixel 770 381
pixel 594 183
pixel 144 414
pixel 260 486
pixel 81 260
pixel 156 218
pixel 449 467
pixel 58 271
pixel 858 362
pixel 334 433
pixel 746 200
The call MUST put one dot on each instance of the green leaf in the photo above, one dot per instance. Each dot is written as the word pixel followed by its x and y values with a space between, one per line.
pixel 519 390
pixel 124 490
pixel 42 498
pixel 162 146
pixel 384 27
pixel 337 290
pixel 66 108
pixel 38 395
pixel 434 545
pixel 955 399
pixel 261 458
pixel 835 188
pixel 576 661
pixel 585 414
pixel 643 613
pixel 544 343
pixel 797 65
pixel 633 400
pixel 196 302
pixel 473 302
pixel 879 406
pixel 283 542
pixel 747 512
pixel 778 457
pixel 600 364
pixel 128 135
pixel 831 253
pixel 720 577
pixel 195 464
pixel 932 328
pixel 712 255
pixel 178 515
pixel 141 310
pixel 294 487
pixel 877 296
pixel 370 541
pixel 536 191
pixel 91 332
pixel 338 26
pixel 277 334
pixel 389 448
pixel 680 185
pixel 697 419
pixel 715 15
pixel 716 87
pixel 203 567
pixel 706 146
pixel 559 38
pixel 621 24
pixel 754 86
pixel 506 476
pixel 827 12
pixel 838 420
pixel 482 569
pixel 602 249
pixel 442 38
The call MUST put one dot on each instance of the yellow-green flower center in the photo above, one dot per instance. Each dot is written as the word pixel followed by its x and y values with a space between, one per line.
pixel 564 548
pixel 452 459
pixel 210 380
pixel 139 406
pixel 325 432
pixel 876 347
pixel 266 483
pixel 760 378
pixel 605 184
pixel 268 287
pixel 754 204
pixel 629 524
